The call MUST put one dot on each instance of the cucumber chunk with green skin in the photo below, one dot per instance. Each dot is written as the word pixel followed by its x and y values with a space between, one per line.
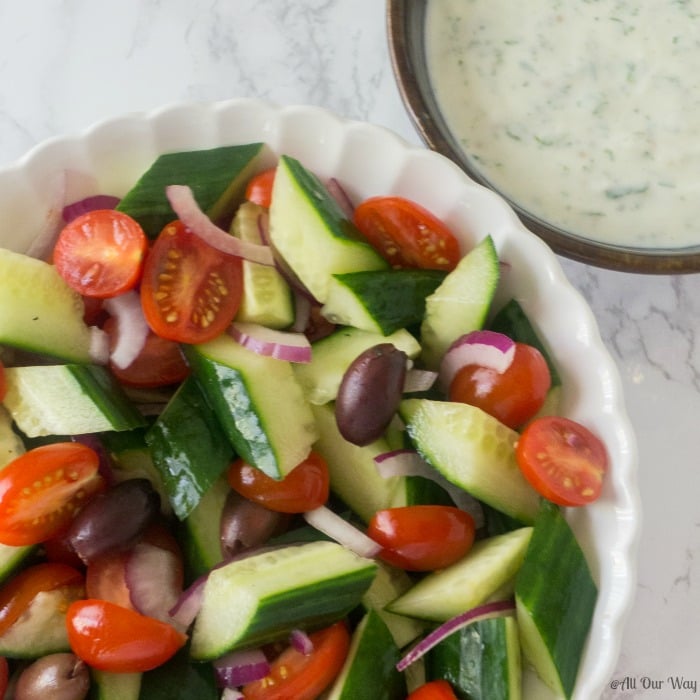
pixel 369 672
pixel 443 594
pixel 11 445
pixel 472 450
pixel 380 301
pixel 267 298
pixel 12 558
pixel 105 685
pixel 39 312
pixel 311 231
pixel 480 661
pixel 555 604
pixel 217 177
pixel 68 400
pixel 258 402
pixel 332 355
pixel 263 597
pixel 180 679
pixel 189 447
pixel 461 303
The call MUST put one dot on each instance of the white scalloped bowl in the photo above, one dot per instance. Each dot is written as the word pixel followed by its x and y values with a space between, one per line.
pixel 370 161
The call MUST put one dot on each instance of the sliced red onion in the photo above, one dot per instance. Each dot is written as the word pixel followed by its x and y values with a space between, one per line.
pixel 301 641
pixel 337 191
pixel 87 204
pixel 187 606
pixel 302 312
pixel 132 329
pixel 99 346
pixel 240 667
pixel 407 462
pixel 418 380
pixel 343 532
pixel 485 348
pixel 187 210
pixel 282 345
pixel 152 577
pixel 500 608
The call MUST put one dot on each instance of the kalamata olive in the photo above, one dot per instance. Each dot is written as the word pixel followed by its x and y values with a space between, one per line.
pixel 245 524
pixel 370 392
pixel 114 519
pixel 56 676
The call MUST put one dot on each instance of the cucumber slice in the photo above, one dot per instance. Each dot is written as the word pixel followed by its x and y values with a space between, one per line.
pixel 258 402
pixel 481 661
pixel 380 301
pixel 311 231
pixel 461 303
pixel 12 558
pixel 369 672
pixel 68 400
pixel 188 446
pixel 39 312
pixel 180 679
pixel 11 445
pixel 472 450
pixel 263 597
pixel 114 686
pixel 217 177
pixel 488 565
pixel 332 355
pixel 555 605
pixel 267 298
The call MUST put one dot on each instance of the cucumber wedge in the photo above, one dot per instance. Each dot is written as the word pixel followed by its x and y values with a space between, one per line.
pixel 481 661
pixel 472 450
pixel 380 301
pixel 332 355
pixel 461 303
pixel 105 685
pixel 217 177
pixel 11 445
pixel 39 312
pixel 180 679
pixel 258 402
pixel 263 597
pixel 267 298
pixel 555 605
pixel 68 400
pixel 311 231
pixel 488 565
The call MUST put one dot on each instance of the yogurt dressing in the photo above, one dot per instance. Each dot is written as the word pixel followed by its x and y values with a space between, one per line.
pixel 586 114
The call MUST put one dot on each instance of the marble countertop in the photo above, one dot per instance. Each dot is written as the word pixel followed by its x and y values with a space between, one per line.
pixel 65 64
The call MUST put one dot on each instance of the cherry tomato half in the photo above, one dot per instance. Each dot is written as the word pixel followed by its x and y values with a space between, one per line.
pixel 17 594
pixel 160 362
pixel 190 292
pixel 304 677
pixel 111 638
pixel 563 460
pixel 43 489
pixel 434 690
pixel 512 397
pixel 406 234
pixel 101 253
pixel 422 538
pixel 306 487
pixel 259 188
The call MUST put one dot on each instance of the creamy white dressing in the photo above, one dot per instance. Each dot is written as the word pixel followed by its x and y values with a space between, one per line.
pixel 586 113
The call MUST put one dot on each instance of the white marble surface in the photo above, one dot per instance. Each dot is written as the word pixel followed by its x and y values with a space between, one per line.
pixel 65 64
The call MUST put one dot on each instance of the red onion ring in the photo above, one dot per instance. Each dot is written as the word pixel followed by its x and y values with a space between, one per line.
pixel 343 532
pixel 132 329
pixel 282 345
pixel 240 667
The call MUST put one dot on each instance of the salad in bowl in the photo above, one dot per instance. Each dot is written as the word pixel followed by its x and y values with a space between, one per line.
pixel 292 409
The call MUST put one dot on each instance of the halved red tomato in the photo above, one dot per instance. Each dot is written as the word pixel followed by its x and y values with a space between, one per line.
pixel 43 489
pixel 100 254
pixel 563 460
pixel 17 594
pixel 513 396
pixel 304 676
pixel 434 690
pixel 306 487
pixel 160 362
pixel 406 234
pixel 111 638
pixel 259 188
pixel 422 538
pixel 190 292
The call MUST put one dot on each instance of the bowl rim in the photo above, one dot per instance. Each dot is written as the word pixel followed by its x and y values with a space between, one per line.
pixel 424 115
